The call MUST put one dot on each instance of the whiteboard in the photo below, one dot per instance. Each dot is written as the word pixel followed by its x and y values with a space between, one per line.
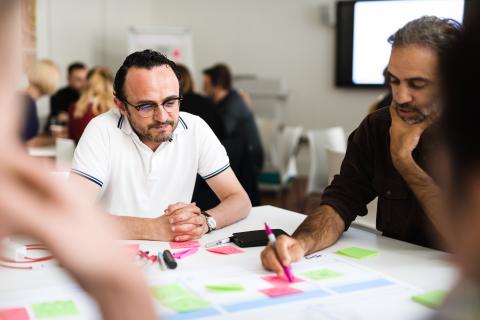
pixel 174 42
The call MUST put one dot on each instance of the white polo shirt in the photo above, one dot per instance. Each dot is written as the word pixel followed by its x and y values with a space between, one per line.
pixel 136 181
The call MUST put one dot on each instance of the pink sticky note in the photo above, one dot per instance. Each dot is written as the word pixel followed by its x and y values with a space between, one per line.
pixel 225 250
pixel 184 253
pixel 132 248
pixel 279 281
pixel 185 244
pixel 14 314
pixel 280 291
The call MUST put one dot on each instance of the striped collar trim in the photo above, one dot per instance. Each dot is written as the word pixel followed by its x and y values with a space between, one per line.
pixel 182 122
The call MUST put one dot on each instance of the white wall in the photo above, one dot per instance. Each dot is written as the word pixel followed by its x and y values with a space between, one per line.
pixel 269 38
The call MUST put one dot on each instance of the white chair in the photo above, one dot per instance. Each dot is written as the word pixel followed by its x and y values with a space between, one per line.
pixel 319 140
pixel 65 149
pixel 368 222
pixel 269 129
pixel 284 166
pixel 334 162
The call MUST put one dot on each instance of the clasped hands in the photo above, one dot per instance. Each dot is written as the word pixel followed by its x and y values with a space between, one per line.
pixel 185 221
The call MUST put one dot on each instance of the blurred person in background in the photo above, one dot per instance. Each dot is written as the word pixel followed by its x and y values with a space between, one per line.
pixel 43 77
pixel 236 115
pixel 32 204
pixel 66 96
pixel 460 68
pixel 197 104
pixel 96 98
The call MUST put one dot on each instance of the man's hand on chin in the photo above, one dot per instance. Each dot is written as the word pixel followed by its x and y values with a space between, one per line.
pixel 404 138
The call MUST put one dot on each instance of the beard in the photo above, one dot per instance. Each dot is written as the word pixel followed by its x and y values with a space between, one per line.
pixel 149 133
pixel 418 115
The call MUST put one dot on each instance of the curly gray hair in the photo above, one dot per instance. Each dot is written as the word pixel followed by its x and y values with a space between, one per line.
pixel 428 31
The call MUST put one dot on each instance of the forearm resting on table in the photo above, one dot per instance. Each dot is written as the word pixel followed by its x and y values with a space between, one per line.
pixel 320 229
pixel 133 228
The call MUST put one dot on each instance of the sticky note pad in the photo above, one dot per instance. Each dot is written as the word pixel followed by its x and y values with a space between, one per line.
pixel 185 244
pixel 225 250
pixel 279 281
pixel 132 248
pixel 357 253
pixel 431 299
pixel 280 291
pixel 188 304
pixel 14 314
pixel 178 298
pixel 322 274
pixel 55 309
pixel 225 287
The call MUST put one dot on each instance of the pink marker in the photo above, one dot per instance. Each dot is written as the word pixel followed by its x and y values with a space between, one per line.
pixel 271 237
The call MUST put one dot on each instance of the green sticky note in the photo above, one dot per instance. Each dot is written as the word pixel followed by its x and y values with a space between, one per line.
pixel 187 304
pixel 322 274
pixel 357 253
pixel 431 299
pixel 178 298
pixel 169 291
pixel 226 287
pixel 55 309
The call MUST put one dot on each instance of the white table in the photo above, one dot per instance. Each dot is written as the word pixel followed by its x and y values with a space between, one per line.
pixel 424 268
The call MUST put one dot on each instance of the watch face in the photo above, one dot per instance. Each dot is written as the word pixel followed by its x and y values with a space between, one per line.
pixel 211 223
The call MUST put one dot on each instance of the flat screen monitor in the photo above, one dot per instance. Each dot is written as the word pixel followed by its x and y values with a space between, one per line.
pixel 363 27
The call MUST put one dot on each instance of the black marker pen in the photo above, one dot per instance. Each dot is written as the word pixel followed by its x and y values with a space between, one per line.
pixel 169 259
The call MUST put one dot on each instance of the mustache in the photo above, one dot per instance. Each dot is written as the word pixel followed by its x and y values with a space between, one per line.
pixel 408 107
pixel 158 124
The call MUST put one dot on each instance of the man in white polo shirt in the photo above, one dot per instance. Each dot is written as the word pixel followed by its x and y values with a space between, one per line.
pixel 142 158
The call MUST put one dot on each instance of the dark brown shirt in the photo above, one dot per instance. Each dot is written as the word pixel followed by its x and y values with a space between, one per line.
pixel 367 172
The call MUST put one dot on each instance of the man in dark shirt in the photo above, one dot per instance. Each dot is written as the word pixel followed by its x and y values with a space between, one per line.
pixel 61 101
pixel 237 117
pixel 199 105
pixel 386 155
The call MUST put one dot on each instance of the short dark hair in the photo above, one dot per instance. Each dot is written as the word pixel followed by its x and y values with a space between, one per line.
pixel 428 31
pixel 459 70
pixel 220 76
pixel 76 66
pixel 146 59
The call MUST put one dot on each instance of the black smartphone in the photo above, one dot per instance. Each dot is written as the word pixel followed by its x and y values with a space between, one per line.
pixel 254 238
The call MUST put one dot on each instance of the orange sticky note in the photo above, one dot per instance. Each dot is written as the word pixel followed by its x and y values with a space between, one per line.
pixel 280 291
pixel 279 281
pixel 225 250
pixel 185 244
pixel 14 314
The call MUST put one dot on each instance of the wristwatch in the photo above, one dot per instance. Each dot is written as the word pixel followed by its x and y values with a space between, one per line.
pixel 211 223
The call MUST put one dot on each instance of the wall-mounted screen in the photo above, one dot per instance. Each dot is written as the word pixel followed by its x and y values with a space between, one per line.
pixel 363 27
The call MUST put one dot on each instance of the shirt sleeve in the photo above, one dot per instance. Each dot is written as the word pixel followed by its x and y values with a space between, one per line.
pixel 352 189
pixel 213 158
pixel 91 158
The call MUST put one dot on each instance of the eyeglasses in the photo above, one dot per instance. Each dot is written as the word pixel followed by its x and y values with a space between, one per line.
pixel 147 109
